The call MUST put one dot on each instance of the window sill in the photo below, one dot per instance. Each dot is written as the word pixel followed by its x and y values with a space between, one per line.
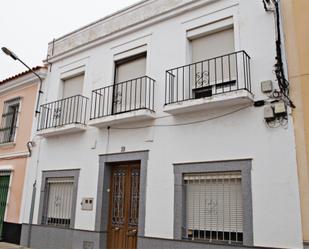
pixel 214 242
pixel 7 145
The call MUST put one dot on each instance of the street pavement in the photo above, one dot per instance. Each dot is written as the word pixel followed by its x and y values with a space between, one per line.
pixel 4 245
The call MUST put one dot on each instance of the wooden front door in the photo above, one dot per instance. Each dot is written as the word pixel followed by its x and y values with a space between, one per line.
pixel 124 203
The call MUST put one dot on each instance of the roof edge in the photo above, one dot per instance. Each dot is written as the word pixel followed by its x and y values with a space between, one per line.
pixel 14 77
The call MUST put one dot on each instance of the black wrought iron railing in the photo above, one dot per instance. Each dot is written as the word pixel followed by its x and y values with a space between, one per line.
pixel 8 127
pixel 222 74
pixel 131 95
pixel 71 110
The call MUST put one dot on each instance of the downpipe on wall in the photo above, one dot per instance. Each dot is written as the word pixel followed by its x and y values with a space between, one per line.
pixel 30 144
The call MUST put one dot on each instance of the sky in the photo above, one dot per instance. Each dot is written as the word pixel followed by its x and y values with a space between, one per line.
pixel 26 26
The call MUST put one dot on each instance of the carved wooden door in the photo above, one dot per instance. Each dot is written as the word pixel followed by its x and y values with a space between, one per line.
pixel 124 205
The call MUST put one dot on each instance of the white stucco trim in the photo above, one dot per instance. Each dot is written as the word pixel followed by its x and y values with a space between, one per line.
pixel 14 154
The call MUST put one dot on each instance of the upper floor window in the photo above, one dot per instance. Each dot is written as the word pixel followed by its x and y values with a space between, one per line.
pixel 212 45
pixel 130 68
pixel 9 120
pixel 73 86
pixel 214 62
pixel 130 88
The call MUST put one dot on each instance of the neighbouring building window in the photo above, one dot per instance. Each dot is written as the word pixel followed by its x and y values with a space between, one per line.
pixel 9 120
pixel 58 204
pixel 73 86
pixel 214 208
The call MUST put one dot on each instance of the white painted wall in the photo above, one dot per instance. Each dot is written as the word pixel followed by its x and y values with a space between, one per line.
pixel 276 215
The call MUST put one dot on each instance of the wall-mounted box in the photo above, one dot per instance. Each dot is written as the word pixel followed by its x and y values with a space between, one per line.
pixel 267 86
pixel 269 113
pixel 87 204
pixel 280 108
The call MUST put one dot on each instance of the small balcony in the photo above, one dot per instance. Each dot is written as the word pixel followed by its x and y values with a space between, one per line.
pixel 129 101
pixel 63 116
pixel 213 83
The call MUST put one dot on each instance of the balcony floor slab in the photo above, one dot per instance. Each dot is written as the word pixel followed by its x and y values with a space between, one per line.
pixel 60 130
pixel 127 117
pixel 234 98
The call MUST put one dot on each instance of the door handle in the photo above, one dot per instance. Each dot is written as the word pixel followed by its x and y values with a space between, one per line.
pixel 132 232
pixel 116 229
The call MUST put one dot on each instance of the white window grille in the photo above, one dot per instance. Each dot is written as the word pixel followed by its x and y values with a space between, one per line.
pixel 214 210
pixel 58 201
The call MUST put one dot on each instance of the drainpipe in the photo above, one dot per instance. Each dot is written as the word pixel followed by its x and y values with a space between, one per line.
pixel 31 213
pixel 29 144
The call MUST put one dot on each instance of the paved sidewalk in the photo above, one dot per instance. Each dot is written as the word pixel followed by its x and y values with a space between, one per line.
pixel 4 245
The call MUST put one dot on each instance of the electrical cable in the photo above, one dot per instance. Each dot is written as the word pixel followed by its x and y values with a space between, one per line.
pixel 181 124
pixel 279 70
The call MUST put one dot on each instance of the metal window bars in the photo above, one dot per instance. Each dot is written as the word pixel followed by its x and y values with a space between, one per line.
pixel 9 121
pixel 213 207
pixel 127 96
pixel 222 74
pixel 71 110
pixel 58 201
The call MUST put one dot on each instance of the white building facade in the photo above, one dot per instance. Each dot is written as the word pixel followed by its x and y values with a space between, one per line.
pixel 152 134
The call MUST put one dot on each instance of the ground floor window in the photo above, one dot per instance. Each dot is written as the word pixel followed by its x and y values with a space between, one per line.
pixel 213 206
pixel 58 198
pixel 213 202
pixel 58 204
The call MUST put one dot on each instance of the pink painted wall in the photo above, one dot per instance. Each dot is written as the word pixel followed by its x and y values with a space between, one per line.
pixel 23 135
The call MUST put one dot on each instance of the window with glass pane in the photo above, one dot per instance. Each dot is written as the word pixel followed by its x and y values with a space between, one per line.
pixel 58 201
pixel 9 121
pixel 214 210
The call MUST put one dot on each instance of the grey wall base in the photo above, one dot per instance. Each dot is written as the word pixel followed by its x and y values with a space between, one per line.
pixel 47 237
pixel 157 243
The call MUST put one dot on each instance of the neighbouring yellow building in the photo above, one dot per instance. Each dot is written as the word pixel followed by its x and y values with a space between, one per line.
pixel 18 95
pixel 296 30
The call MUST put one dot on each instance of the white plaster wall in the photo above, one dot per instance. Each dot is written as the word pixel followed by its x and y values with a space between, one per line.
pixel 276 215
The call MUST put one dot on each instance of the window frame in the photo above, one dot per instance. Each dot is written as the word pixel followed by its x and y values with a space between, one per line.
pixel 125 60
pixel 58 174
pixel 6 105
pixel 244 166
pixel 70 71
pixel 63 82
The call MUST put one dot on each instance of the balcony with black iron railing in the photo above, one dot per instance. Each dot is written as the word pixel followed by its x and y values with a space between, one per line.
pixel 219 81
pixel 67 115
pixel 131 100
